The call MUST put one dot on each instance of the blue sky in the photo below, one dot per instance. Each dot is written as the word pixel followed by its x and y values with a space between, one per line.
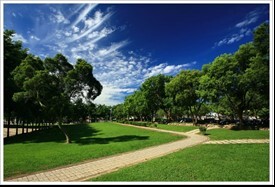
pixel 127 43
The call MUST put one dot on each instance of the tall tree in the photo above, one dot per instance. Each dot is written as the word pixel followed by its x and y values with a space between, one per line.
pixel 13 55
pixel 54 83
pixel 231 76
pixel 184 91
pixel 153 89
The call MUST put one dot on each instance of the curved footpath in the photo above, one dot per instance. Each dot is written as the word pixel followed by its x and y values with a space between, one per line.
pixel 94 168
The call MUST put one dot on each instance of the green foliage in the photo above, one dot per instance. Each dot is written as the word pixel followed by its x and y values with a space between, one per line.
pixel 52 84
pixel 153 89
pixel 103 111
pixel 13 55
pixel 236 79
pixel 202 129
pixel 261 39
pixel 185 90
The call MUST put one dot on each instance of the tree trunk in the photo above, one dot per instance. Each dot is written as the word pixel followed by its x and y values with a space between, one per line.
pixel 16 131
pixel 64 132
pixel 27 128
pixel 240 116
pixel 23 130
pixel 8 129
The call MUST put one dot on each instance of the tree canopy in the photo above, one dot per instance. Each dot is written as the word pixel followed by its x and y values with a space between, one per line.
pixel 48 86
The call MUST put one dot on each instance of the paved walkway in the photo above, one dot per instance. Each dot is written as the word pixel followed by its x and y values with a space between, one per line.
pixel 91 169
pixel 242 141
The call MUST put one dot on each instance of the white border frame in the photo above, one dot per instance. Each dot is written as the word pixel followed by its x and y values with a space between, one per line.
pixel 271 147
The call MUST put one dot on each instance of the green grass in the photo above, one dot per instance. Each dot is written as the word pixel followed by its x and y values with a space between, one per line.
pixel 226 134
pixel 176 128
pixel 242 162
pixel 42 150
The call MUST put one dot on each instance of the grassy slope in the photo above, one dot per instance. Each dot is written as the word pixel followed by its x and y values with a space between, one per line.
pixel 46 149
pixel 243 162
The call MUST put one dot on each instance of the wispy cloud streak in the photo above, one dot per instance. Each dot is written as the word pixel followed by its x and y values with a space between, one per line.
pixel 243 28
pixel 83 14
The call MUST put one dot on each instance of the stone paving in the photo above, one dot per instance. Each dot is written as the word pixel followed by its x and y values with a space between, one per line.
pixel 94 168
pixel 240 141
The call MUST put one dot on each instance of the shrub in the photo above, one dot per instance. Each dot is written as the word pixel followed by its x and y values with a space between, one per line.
pixel 202 130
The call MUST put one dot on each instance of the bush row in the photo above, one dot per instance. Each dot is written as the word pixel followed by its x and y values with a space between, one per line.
pixel 139 123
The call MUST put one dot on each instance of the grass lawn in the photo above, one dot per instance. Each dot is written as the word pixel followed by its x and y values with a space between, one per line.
pixel 239 162
pixel 176 128
pixel 226 134
pixel 46 149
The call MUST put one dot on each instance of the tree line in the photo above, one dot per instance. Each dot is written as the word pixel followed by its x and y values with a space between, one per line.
pixel 232 85
pixel 55 91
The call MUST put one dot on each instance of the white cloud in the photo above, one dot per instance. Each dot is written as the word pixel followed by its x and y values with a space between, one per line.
pixel 67 33
pixel 247 22
pixel 245 31
pixel 112 95
pixel 251 17
pixel 91 24
pixel 110 51
pixel 248 32
pixel 166 69
pixel 34 38
pixel 235 38
pixel 100 34
pixel 84 13
pixel 61 19
pixel 58 17
pixel 17 37
pixel 75 28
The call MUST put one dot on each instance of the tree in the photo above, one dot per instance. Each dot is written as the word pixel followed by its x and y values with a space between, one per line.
pixel 234 77
pixel 184 89
pixel 118 111
pixel 79 111
pixel 261 40
pixel 129 106
pixel 13 55
pixel 153 89
pixel 54 83
pixel 103 111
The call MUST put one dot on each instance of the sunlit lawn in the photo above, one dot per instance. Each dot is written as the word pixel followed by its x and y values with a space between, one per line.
pixel 42 150
pixel 226 134
pixel 239 162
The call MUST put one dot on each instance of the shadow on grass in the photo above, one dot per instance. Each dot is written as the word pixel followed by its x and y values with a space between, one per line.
pixel 85 141
pixel 81 134
pixel 53 134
